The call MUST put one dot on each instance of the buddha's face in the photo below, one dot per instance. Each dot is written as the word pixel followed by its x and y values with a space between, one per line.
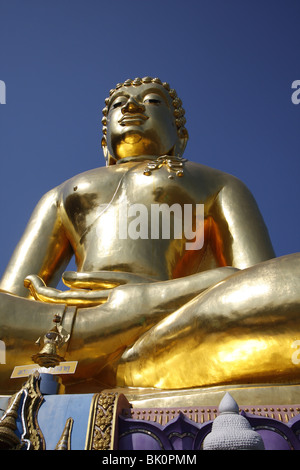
pixel 141 121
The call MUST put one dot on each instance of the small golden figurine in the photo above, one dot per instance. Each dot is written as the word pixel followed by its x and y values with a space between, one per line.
pixel 52 341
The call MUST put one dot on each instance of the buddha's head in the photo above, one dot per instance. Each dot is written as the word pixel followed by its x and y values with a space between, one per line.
pixel 143 117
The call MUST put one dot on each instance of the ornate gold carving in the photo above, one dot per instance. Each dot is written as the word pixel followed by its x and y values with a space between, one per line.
pixel 32 402
pixel 29 399
pixel 173 164
pixel 102 429
pixel 103 421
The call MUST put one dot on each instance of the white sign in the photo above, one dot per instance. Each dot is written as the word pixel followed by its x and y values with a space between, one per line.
pixel 62 368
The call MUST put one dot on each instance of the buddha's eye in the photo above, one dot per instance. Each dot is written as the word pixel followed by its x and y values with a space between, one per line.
pixel 152 99
pixel 117 104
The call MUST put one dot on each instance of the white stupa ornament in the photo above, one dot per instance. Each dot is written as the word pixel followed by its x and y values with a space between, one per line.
pixel 231 431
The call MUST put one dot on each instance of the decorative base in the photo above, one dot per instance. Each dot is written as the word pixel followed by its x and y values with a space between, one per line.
pixel 257 395
pixel 143 419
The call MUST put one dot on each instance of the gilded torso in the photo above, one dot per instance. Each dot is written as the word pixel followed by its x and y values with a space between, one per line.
pixel 93 202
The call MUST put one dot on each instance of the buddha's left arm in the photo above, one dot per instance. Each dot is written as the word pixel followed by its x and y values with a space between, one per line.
pixel 244 235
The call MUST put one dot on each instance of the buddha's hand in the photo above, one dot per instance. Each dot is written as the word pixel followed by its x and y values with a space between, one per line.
pixel 86 289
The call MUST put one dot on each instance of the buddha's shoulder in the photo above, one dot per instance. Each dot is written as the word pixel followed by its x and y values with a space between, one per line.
pixel 89 175
pixel 210 174
pixel 90 178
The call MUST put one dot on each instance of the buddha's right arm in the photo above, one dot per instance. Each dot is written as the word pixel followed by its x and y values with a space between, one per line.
pixel 43 249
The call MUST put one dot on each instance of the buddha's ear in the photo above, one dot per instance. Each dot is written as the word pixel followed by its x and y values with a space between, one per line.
pixel 108 158
pixel 181 142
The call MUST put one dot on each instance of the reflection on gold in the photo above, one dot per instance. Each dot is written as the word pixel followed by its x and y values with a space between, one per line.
pixel 241 361
pixel 237 352
pixel 247 293
pixel 148 312
pixel 133 145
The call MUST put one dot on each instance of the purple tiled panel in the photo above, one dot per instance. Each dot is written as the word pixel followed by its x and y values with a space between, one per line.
pixel 165 429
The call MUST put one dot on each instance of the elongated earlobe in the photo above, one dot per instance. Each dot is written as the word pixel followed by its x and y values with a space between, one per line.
pixel 181 144
pixel 104 149
pixel 109 159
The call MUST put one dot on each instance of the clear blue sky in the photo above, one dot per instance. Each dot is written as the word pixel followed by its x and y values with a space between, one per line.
pixel 231 62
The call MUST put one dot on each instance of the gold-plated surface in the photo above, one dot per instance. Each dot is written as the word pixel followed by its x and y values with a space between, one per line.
pixel 223 328
pixel 244 395
pixel 148 312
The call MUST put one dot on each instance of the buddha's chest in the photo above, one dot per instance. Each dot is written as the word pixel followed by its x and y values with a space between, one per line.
pixel 160 182
pixel 141 187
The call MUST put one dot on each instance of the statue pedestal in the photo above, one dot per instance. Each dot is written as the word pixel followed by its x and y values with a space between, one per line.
pixel 262 394
pixel 146 419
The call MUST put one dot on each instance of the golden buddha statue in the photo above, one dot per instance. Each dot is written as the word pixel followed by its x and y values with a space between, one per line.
pixel 146 311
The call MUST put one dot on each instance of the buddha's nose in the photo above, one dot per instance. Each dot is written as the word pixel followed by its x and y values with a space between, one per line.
pixel 133 106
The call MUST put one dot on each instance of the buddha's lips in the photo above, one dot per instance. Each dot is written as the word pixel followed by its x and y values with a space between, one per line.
pixel 132 119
